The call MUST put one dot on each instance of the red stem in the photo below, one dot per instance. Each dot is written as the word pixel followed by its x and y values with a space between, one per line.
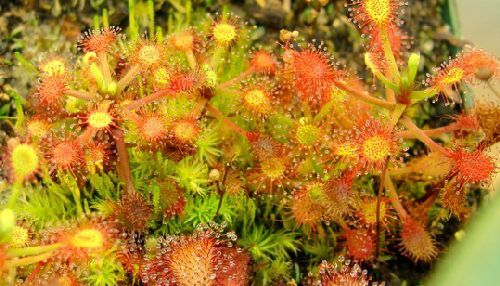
pixel 123 166
pixel 86 136
pixel 394 198
pixel 420 134
pixel 365 96
pixel 237 79
pixel 430 132
pixel 379 198
pixel 148 99
pixel 85 95
pixel 215 112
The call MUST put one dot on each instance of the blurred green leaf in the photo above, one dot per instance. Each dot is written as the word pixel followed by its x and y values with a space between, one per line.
pixel 475 259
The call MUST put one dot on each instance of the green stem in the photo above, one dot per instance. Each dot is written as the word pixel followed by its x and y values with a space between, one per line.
pixel 191 59
pixel 374 69
pixel 389 84
pixel 105 18
pixel 389 92
pixel 389 55
pixel 95 22
pixel 133 29
pixel 18 103
pixel 33 250
pixel 189 9
pixel 127 78
pixel 103 61
pixel 419 95
pixel 396 114
pixel 245 219
pixel 16 190
pixel 221 198
pixel 75 192
pixel 177 6
pixel 216 58
pixel 29 260
pixel 159 34
pixel 324 111
pixel 24 62
pixel 151 18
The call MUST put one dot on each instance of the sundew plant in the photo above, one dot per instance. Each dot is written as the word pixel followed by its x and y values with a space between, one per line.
pixel 198 156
